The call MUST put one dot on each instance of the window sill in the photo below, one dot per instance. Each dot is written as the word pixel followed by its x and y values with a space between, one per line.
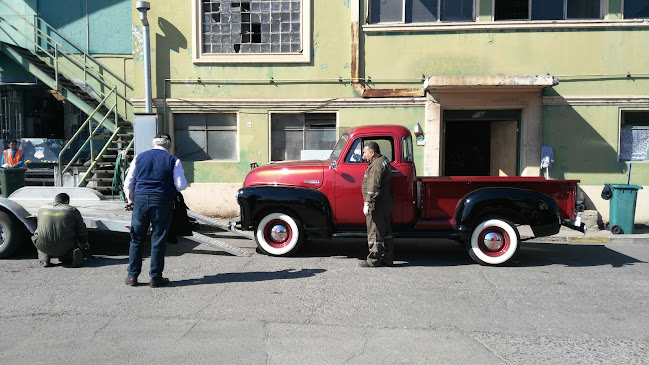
pixel 252 58
pixel 504 25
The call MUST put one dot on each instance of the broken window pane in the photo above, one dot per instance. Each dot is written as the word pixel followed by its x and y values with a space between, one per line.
pixel 260 22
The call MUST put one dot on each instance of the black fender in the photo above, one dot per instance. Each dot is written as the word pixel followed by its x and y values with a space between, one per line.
pixel 520 206
pixel 310 206
pixel 16 210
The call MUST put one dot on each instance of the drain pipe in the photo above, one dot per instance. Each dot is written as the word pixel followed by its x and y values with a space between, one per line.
pixel 143 7
pixel 355 66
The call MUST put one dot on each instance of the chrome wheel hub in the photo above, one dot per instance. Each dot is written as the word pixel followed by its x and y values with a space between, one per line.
pixel 493 241
pixel 278 233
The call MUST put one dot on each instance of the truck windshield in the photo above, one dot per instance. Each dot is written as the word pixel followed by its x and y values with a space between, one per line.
pixel 339 147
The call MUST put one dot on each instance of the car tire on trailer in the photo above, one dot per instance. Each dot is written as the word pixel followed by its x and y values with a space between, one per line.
pixel 278 234
pixel 10 235
pixel 494 242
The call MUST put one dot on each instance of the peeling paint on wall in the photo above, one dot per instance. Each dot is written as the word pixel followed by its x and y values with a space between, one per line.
pixel 138 43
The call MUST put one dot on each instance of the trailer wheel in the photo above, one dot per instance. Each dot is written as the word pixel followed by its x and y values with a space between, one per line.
pixel 278 234
pixel 10 235
pixel 494 242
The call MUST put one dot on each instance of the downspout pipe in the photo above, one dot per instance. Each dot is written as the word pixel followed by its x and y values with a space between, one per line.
pixel 360 89
pixel 143 7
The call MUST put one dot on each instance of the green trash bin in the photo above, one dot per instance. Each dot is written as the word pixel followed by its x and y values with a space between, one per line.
pixel 622 213
pixel 12 179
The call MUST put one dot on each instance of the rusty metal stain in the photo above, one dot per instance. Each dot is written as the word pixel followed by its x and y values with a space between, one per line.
pixel 386 93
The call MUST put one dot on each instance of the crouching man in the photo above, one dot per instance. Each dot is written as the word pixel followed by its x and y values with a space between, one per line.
pixel 60 233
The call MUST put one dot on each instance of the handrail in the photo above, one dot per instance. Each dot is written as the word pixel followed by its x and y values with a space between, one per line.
pixel 57 65
pixel 40 35
pixel 49 27
pixel 76 134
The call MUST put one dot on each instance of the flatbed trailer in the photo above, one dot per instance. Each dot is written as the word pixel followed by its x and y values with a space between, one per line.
pixel 19 212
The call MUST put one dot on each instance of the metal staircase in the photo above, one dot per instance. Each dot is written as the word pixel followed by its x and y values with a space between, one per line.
pixel 82 80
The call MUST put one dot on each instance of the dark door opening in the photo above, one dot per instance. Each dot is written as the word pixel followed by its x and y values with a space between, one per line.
pixel 466 150
pixel 481 143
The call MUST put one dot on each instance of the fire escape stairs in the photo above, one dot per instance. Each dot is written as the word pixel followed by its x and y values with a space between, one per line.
pixel 104 102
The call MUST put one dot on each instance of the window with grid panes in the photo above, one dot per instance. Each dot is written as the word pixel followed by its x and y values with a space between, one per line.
pixel 634 135
pixel 254 29
pixel 206 136
pixel 546 9
pixel 420 11
pixel 293 132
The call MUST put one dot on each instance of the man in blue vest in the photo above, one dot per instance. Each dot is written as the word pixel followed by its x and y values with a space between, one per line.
pixel 150 185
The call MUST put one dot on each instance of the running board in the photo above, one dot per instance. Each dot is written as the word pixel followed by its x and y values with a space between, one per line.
pixel 218 244
pixel 214 222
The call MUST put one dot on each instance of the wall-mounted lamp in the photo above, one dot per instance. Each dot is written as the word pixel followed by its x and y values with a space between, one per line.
pixel 419 134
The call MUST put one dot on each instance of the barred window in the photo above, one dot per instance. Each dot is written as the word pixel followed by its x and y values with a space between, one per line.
pixel 253 31
pixel 206 136
pixel 291 133
pixel 634 135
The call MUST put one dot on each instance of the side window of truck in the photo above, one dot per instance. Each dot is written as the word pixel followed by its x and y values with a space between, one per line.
pixel 355 154
pixel 406 145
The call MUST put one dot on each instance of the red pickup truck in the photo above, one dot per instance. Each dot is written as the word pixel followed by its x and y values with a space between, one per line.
pixel 283 203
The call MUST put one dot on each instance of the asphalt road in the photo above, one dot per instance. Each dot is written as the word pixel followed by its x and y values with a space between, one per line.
pixel 558 304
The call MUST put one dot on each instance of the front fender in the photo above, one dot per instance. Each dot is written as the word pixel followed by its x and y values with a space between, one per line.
pixel 520 206
pixel 311 207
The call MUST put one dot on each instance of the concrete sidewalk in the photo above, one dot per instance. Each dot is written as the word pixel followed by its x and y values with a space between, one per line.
pixel 640 235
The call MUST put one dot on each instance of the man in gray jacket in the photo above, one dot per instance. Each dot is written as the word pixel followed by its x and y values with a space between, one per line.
pixel 60 233
pixel 377 206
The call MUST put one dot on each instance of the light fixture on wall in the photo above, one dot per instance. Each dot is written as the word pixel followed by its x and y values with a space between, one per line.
pixel 419 134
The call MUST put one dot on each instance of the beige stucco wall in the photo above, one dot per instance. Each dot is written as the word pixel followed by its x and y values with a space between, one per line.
pixel 218 200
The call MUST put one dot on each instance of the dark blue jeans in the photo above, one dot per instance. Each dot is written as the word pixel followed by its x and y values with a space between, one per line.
pixel 156 211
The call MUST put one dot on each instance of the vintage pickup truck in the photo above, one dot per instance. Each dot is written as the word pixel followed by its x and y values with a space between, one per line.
pixel 286 202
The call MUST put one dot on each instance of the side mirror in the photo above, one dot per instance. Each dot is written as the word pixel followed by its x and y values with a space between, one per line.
pixel 334 165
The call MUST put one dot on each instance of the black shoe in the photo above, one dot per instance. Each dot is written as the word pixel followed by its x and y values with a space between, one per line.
pixel 77 258
pixel 387 263
pixel 366 264
pixel 46 262
pixel 158 283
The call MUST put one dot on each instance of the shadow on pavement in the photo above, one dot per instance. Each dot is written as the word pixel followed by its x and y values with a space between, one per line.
pixel 575 255
pixel 439 252
pixel 246 277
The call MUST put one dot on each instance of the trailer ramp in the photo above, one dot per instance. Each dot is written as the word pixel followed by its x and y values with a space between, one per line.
pixel 219 223
pixel 214 242
pixel 218 244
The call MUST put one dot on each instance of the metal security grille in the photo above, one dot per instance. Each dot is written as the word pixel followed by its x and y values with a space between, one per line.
pixel 11 115
pixel 256 26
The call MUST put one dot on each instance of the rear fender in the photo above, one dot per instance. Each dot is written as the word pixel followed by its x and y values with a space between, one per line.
pixel 524 207
pixel 310 206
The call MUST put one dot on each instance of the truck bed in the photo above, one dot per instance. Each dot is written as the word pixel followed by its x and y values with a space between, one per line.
pixel 440 195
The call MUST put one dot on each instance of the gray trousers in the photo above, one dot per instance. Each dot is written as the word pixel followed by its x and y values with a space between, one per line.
pixel 379 236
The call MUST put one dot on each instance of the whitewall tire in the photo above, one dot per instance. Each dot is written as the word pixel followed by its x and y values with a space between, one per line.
pixel 494 242
pixel 278 234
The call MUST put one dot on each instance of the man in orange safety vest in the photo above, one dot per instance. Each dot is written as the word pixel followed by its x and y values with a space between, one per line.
pixel 12 156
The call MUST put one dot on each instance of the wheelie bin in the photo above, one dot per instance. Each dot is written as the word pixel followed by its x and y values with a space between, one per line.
pixel 11 179
pixel 622 208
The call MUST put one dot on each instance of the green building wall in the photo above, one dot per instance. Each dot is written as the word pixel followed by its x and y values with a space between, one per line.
pixel 601 67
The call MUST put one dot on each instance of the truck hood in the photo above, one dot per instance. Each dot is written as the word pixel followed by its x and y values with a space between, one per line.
pixel 307 174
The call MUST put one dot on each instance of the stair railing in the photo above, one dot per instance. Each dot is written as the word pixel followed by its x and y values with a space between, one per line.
pixel 91 133
pixel 55 50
